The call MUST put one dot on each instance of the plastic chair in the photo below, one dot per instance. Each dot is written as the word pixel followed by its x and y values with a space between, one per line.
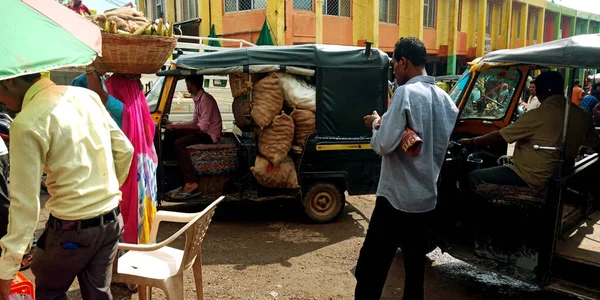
pixel 158 265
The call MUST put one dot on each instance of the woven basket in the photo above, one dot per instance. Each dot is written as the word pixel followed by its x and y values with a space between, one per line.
pixel 134 54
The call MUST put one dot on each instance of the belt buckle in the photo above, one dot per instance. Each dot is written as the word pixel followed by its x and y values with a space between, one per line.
pixel 101 221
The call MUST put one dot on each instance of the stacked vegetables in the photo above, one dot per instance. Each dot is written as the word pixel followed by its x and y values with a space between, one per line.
pixel 129 21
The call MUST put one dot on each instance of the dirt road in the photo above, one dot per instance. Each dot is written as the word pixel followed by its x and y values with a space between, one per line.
pixel 267 251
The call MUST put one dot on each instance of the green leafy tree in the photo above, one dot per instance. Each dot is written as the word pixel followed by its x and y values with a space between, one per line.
pixel 64 2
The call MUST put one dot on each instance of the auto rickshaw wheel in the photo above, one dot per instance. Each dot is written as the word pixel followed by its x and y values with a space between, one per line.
pixel 323 202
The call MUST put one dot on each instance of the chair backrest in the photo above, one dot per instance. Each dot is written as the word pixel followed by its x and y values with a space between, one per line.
pixel 194 235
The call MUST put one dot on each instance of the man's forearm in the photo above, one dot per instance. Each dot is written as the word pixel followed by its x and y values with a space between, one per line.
pixel 490 139
pixel 185 127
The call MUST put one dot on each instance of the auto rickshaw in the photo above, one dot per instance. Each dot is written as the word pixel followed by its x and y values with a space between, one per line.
pixel 550 236
pixel 350 82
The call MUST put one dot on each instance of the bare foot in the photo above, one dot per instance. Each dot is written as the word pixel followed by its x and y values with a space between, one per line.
pixel 190 187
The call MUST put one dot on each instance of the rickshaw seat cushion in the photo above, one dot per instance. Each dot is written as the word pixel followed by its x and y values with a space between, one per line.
pixel 214 159
pixel 507 193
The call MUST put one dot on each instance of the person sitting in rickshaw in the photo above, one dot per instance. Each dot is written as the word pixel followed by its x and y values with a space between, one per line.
pixel 542 126
pixel 204 128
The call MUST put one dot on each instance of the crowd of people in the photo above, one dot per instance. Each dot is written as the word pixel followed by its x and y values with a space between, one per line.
pixel 95 142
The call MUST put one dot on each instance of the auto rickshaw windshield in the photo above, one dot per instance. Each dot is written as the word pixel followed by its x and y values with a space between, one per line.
pixel 490 97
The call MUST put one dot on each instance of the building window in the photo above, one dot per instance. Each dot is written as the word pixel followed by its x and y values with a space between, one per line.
pixel 155 9
pixel 303 5
pixel 429 14
pixel 488 19
pixel 460 15
pixel 243 5
pixel 518 24
pixel 388 11
pixel 189 9
pixel 339 8
pixel 500 20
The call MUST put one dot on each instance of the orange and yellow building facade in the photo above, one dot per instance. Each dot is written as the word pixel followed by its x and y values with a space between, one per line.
pixel 454 31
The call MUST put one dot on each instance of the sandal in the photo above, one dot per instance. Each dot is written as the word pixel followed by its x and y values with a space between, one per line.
pixel 178 195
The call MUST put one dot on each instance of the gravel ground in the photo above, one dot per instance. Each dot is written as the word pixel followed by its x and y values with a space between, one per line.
pixel 267 251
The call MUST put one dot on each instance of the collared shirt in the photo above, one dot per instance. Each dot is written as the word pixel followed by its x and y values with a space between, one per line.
pixel 206 116
pixel 66 133
pixel 532 103
pixel 410 183
pixel 543 127
pixel 113 105
pixel 81 9
pixel 588 103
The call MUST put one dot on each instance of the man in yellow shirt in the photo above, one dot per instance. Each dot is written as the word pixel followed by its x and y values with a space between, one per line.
pixel 66 133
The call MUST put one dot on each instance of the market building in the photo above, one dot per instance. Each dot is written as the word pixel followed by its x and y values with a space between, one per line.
pixel 454 31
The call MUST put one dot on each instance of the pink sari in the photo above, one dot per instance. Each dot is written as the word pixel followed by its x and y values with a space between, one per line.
pixel 139 190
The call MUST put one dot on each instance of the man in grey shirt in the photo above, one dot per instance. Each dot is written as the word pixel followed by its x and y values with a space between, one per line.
pixel 407 191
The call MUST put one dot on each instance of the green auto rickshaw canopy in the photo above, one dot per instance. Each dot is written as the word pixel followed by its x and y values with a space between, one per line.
pixel 349 82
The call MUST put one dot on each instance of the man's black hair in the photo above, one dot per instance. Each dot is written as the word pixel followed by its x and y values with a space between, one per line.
pixel 549 83
pixel 532 82
pixel 577 82
pixel 596 93
pixel 31 77
pixel 412 49
pixel 196 80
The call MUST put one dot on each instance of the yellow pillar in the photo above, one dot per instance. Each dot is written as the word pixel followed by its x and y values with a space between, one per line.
pixel 524 26
pixel 514 29
pixel 276 20
pixel 452 38
pixel 481 27
pixel 470 27
pixel 365 21
pixel 141 5
pixel 169 11
pixel 411 18
pixel 506 24
pixel 495 26
pixel 442 21
pixel 540 25
pixel 319 21
pixel 205 16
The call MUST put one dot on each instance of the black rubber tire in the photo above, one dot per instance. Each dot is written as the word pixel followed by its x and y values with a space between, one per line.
pixel 323 202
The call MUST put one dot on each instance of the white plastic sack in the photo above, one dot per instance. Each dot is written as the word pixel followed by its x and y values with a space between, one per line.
pixel 297 93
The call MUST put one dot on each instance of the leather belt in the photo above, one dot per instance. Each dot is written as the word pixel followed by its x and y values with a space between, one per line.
pixel 99 221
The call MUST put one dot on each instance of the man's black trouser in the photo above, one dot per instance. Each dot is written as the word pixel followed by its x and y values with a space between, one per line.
pixel 497 175
pixel 4 199
pixel 388 229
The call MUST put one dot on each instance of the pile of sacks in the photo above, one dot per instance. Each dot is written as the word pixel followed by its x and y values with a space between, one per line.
pixel 277 132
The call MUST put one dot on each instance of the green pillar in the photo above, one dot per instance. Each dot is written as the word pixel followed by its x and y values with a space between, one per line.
pixel 587 26
pixel 573 26
pixel 557 25
pixel 451 65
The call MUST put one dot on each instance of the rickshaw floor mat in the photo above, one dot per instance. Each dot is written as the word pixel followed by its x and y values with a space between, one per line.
pixel 583 242
pixel 213 159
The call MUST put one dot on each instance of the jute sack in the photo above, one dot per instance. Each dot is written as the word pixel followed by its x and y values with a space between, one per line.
pixel 267 100
pixel 241 111
pixel 275 140
pixel 239 83
pixel 298 93
pixel 282 176
pixel 305 122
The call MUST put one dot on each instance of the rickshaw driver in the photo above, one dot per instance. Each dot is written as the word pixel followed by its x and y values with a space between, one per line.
pixel 205 128
pixel 542 126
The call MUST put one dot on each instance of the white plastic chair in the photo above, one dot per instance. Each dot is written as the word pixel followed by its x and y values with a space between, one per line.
pixel 157 265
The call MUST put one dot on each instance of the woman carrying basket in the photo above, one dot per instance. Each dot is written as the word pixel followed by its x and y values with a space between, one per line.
pixel 139 190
